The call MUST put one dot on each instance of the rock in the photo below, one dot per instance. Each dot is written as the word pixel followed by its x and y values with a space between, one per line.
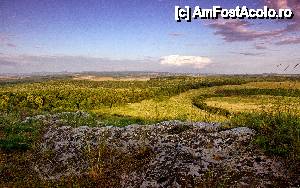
pixel 167 154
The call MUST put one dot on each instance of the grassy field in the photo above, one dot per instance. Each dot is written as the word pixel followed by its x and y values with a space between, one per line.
pixel 122 103
pixel 270 105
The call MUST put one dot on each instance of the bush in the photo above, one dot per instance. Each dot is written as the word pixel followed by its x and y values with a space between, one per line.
pixel 199 102
pixel 259 91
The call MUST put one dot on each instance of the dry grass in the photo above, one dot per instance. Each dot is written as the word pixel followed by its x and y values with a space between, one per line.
pixel 252 103
pixel 178 107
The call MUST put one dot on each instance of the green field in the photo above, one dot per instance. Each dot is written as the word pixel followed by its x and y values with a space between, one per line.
pixel 270 105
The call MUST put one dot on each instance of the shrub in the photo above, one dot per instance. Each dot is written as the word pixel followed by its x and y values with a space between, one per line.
pixel 199 102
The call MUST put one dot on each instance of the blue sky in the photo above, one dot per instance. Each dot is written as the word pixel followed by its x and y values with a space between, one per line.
pixel 140 35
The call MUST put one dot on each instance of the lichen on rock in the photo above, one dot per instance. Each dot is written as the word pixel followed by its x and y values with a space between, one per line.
pixel 167 154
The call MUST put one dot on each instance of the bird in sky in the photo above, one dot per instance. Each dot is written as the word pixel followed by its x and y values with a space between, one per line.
pixel 286 67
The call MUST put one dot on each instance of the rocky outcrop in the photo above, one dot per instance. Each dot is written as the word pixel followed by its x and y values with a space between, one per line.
pixel 167 154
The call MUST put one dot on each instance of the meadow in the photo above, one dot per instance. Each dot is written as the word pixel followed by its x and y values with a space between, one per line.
pixel 270 105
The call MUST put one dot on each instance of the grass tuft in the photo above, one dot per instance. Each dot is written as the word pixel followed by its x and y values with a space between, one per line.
pixel 16 134
pixel 278 131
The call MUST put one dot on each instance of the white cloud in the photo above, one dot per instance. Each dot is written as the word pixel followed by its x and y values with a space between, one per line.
pixel 177 60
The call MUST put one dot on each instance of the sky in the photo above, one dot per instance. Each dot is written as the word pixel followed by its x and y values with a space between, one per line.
pixel 142 35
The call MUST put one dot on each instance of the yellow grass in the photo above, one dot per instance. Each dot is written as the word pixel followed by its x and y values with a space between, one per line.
pixel 250 103
pixel 180 106
pixel 176 108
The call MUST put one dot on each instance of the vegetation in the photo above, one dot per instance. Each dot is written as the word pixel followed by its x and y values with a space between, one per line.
pixel 258 91
pixel 200 103
pixel 269 105
pixel 278 127
pixel 122 103
pixel 72 95
pixel 16 134
pixel 278 131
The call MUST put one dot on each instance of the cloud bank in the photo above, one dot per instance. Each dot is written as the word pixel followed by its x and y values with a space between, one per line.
pixel 244 31
pixel 177 60
pixel 289 40
pixel 239 30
